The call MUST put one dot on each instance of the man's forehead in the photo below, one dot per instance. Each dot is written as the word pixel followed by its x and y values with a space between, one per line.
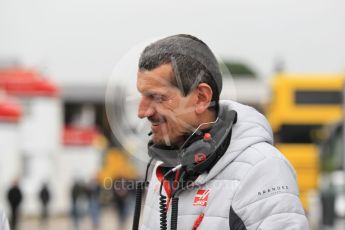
pixel 150 89
pixel 158 77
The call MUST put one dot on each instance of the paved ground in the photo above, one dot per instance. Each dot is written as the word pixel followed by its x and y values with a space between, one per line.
pixel 339 225
pixel 109 221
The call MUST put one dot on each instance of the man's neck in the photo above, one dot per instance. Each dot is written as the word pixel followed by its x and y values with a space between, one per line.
pixel 205 122
pixel 208 117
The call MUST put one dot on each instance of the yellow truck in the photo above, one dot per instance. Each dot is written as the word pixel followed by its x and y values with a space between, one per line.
pixel 300 105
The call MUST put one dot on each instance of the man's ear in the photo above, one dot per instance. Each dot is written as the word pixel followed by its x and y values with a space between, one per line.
pixel 204 97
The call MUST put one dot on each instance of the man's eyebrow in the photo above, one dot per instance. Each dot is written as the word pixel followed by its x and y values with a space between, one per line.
pixel 152 93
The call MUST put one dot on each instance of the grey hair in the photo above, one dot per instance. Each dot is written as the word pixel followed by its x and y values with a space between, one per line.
pixel 192 61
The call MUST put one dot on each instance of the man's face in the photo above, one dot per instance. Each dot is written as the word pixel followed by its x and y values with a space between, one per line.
pixel 171 115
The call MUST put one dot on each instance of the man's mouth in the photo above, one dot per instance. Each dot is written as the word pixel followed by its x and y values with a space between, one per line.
pixel 157 122
pixel 156 126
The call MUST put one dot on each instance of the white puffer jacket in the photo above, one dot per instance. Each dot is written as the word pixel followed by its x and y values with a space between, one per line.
pixel 251 187
pixel 3 221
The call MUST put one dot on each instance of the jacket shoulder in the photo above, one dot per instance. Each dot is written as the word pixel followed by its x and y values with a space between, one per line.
pixel 252 157
pixel 3 221
pixel 267 188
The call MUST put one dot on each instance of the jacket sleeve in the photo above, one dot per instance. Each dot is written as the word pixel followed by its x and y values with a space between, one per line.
pixel 3 221
pixel 268 199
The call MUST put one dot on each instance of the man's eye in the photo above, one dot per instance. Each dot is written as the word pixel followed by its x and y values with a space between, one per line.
pixel 157 98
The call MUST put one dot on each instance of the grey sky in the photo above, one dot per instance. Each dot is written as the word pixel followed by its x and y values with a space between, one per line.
pixel 81 41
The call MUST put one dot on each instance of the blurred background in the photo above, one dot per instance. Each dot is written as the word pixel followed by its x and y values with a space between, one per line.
pixel 287 59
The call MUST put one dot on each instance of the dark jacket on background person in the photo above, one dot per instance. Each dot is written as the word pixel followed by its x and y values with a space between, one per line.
pixel 14 197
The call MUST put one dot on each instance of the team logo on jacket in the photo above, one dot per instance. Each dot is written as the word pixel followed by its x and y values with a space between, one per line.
pixel 201 197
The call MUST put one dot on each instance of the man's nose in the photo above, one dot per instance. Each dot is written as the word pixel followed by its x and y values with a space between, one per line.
pixel 145 109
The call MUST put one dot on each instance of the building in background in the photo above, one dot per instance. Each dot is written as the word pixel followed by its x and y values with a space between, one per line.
pixel 10 167
pixel 44 149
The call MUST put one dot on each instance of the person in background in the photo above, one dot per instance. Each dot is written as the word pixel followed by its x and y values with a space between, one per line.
pixel 14 197
pixel 78 198
pixel 44 196
pixel 120 196
pixel 120 168
pixel 3 221
pixel 93 193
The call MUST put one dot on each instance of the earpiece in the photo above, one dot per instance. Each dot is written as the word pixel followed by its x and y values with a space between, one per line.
pixel 202 154
pixel 200 151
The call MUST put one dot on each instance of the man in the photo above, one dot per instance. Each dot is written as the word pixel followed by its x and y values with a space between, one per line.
pixel 44 197
pixel 246 183
pixel 14 197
